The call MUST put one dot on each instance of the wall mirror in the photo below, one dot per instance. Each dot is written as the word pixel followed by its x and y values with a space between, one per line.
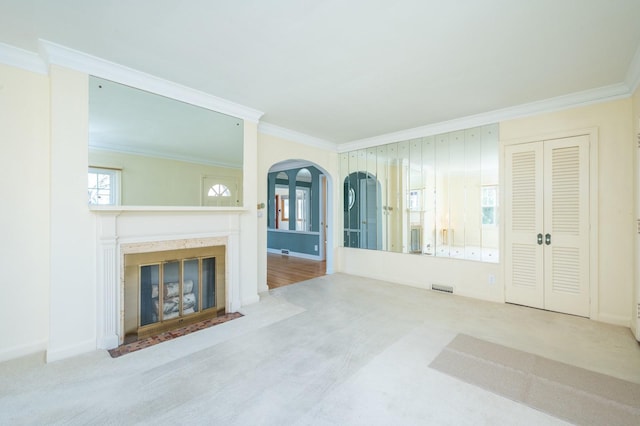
pixel 150 150
pixel 436 195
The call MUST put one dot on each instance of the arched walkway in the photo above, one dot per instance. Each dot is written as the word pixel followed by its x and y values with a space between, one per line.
pixel 299 225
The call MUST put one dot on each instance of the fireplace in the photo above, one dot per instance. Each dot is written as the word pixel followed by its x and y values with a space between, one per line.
pixel 129 238
pixel 169 289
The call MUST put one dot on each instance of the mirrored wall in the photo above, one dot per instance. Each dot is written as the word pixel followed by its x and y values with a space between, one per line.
pixel 149 150
pixel 436 195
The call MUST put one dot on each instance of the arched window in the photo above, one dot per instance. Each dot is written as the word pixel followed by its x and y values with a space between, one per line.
pixel 219 190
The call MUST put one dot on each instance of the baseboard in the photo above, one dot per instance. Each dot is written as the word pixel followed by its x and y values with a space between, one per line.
pixel 23 350
pixel 69 351
pixel 295 254
pixel 614 319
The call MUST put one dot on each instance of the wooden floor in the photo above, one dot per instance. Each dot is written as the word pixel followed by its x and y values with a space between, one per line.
pixel 285 270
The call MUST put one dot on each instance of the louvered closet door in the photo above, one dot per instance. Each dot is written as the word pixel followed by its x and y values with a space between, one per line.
pixel 524 281
pixel 547 225
pixel 566 220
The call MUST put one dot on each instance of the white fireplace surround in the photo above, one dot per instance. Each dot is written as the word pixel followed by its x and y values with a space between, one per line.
pixel 120 233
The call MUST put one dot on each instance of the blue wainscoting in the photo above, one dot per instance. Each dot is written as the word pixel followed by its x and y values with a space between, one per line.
pixel 297 242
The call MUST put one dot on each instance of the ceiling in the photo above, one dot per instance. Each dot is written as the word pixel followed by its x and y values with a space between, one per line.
pixel 346 71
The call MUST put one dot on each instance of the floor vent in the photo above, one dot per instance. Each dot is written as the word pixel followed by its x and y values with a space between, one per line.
pixel 284 251
pixel 442 288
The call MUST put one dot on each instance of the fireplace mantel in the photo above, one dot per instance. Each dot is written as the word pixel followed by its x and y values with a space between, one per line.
pixel 124 231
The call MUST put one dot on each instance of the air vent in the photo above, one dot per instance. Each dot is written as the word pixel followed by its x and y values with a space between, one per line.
pixel 442 288
pixel 285 251
pixel 638 310
pixel 638 226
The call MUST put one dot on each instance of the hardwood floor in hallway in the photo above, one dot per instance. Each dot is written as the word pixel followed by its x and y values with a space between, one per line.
pixel 285 270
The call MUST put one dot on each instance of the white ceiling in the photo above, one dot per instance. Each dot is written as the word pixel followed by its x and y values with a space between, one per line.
pixel 344 71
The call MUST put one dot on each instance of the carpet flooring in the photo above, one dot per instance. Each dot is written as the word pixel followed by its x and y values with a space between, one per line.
pixel 571 393
pixel 335 350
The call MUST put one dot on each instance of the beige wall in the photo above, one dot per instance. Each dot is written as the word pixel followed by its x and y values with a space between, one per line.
pixel 149 181
pixel 635 302
pixel 615 195
pixel 616 207
pixel 272 150
pixel 24 217
pixel 72 294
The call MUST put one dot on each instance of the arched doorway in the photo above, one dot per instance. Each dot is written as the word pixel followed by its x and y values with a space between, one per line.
pixel 299 202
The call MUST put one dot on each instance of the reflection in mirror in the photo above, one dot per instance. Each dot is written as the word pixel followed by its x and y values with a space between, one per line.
pixel 303 200
pixel 429 203
pixel 472 184
pixel 282 201
pixel 166 152
pixel 381 172
pixel 436 195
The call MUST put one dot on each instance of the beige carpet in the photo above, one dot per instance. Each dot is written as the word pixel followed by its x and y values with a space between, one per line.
pixel 574 394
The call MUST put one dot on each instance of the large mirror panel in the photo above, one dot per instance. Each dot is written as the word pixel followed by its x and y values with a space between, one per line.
pixel 435 195
pixel 150 150
pixel 472 185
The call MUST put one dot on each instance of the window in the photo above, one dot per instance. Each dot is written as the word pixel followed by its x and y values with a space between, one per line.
pixel 303 209
pixel 219 190
pixel 103 186
pixel 489 205
pixel 414 200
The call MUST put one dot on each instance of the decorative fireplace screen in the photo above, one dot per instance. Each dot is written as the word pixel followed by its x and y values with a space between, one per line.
pixel 170 289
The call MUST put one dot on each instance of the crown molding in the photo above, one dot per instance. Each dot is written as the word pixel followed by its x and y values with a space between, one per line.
pixel 632 79
pixel 20 58
pixel 60 55
pixel 121 149
pixel 293 136
pixel 574 100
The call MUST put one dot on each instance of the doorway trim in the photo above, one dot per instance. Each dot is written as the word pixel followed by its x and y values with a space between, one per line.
pixel 592 133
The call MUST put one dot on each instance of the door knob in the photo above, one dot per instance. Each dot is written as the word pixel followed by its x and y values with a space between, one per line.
pixel 547 239
pixel 539 239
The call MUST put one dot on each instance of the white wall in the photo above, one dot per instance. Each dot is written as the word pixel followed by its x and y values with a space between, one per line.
pixel 468 278
pixel 249 265
pixel 72 323
pixel 635 300
pixel 24 216
pixel 272 150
